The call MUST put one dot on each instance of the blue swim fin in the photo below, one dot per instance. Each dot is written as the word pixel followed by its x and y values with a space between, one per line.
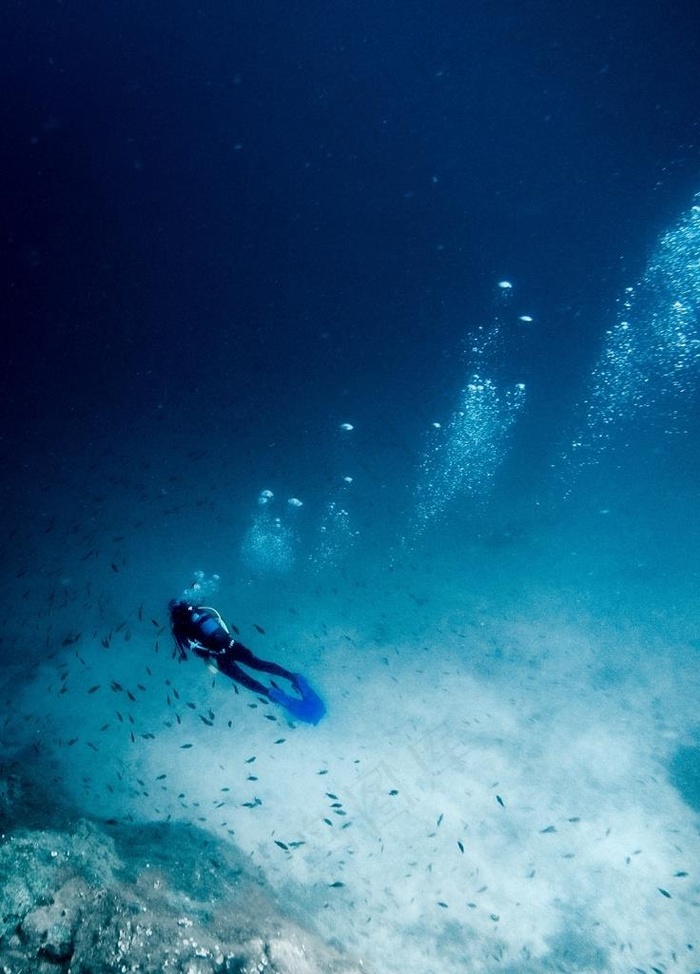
pixel 310 708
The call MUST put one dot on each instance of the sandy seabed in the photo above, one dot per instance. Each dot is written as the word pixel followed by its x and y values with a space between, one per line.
pixel 496 783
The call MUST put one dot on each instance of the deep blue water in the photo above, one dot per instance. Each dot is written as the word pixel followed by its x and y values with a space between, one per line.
pixel 230 228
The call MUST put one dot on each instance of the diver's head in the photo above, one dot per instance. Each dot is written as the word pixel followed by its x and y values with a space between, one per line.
pixel 180 611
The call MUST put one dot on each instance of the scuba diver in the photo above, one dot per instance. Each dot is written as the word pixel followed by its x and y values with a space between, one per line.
pixel 202 630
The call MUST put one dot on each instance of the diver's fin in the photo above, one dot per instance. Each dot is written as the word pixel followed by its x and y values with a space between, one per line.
pixel 310 708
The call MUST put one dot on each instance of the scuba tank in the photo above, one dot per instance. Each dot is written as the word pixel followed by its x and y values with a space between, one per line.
pixel 207 621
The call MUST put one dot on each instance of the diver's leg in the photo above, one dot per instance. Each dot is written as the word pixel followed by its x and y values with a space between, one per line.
pixel 245 656
pixel 231 669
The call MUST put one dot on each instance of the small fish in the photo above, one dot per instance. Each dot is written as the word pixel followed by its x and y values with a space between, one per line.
pixel 280 740
pixel 664 892
pixel 117 687
pixel 282 845
pixel 548 830
pixel 328 821
pixel 336 885
pixel 323 771
pixel 331 795
pixel 460 845
pixel 500 801
pixel 681 872
pixel 114 567
pixel 95 688
pixel 205 720
pixel 185 747
pixel 393 792
pixel 259 628
pixel 440 818
pixel 442 904
pixel 250 760
pixel 161 776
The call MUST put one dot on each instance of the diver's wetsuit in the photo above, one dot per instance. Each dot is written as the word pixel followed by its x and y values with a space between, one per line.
pixel 199 630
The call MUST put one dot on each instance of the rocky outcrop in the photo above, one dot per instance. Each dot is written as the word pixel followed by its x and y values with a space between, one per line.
pixel 146 899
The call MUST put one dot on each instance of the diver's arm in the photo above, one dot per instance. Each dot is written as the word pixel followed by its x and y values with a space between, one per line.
pixel 183 645
pixel 205 652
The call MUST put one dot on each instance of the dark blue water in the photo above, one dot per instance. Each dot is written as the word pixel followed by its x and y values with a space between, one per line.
pixel 228 230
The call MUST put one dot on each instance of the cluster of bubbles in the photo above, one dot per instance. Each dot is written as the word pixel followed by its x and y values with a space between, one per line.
pixel 463 455
pixel 273 542
pixel 651 356
pixel 270 543
pixel 649 366
pixel 201 587
pixel 336 534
